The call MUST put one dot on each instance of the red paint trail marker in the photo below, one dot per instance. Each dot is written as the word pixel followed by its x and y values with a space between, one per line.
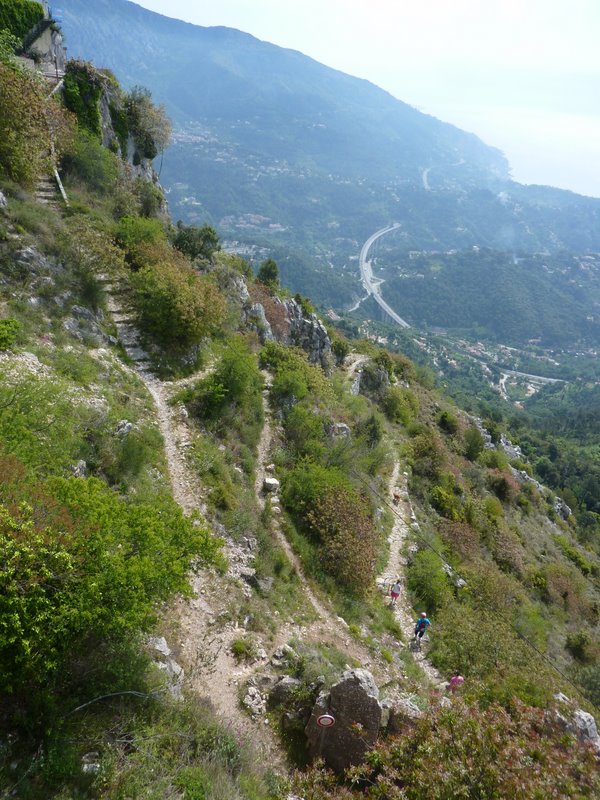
pixel 325 721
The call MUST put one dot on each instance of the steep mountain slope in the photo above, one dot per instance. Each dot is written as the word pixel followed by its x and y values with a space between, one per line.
pixel 320 473
pixel 280 151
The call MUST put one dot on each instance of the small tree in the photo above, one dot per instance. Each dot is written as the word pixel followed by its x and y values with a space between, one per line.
pixel 268 273
pixel 148 123
pixel 473 443
pixel 196 242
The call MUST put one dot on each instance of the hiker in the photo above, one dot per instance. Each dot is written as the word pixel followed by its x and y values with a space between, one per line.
pixel 395 591
pixel 455 682
pixel 421 625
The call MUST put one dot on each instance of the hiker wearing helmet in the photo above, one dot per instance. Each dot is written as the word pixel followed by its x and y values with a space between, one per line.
pixel 421 625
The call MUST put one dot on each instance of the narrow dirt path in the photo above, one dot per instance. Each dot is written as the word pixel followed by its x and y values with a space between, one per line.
pixel 263 449
pixel 404 516
pixel 396 565
pixel 202 622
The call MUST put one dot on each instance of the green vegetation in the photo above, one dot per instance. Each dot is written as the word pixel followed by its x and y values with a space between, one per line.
pixel 26 117
pixel 464 751
pixel 82 90
pixel 19 16
pixel 148 124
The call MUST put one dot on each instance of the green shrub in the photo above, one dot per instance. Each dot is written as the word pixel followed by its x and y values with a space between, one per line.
pixel 494 459
pixel 428 581
pixel 81 92
pixel 175 307
pixel 474 443
pixel 135 231
pixel 20 16
pixel 303 486
pixel 446 503
pixel 196 242
pixel 148 124
pixel 288 387
pixel 428 456
pixel 341 520
pixel 503 485
pixel 194 783
pixel 340 349
pixel 118 118
pixel 94 567
pixel 461 750
pixel 268 273
pixel 88 162
pixel 243 649
pixel 448 422
pixel 305 432
pixel 26 116
pixel 493 508
pixel 399 405
pixel 579 645
pixel 9 329
pixel 574 555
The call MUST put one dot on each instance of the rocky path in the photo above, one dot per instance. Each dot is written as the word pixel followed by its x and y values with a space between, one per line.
pixel 396 566
pixel 201 623
pixel 404 516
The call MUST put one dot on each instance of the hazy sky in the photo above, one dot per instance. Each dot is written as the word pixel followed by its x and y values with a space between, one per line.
pixel 522 74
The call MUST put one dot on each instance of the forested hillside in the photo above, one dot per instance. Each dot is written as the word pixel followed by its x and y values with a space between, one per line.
pixel 205 497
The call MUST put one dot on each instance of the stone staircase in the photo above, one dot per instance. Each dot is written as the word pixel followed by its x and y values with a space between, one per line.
pixel 46 192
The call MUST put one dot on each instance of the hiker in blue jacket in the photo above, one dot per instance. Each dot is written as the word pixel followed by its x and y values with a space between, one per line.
pixel 421 625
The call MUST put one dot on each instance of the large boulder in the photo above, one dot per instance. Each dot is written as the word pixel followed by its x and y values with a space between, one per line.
pixel 354 704
pixel 577 721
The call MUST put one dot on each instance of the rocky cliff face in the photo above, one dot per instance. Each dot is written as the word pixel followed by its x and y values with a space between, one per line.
pixel 293 327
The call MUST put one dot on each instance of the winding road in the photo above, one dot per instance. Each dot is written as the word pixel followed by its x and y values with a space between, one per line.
pixel 370 282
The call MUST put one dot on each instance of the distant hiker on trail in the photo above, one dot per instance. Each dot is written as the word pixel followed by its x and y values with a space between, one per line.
pixel 395 591
pixel 421 625
pixel 455 682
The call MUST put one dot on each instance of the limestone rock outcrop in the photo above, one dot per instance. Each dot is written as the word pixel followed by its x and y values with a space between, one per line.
pixel 354 704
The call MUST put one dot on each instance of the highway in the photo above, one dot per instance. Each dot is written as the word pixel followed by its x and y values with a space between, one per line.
pixel 370 282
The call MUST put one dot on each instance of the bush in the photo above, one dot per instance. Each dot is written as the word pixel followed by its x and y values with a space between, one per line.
pixel 448 422
pixel 579 644
pixel 306 484
pixel 340 349
pixel 148 124
pixel 428 455
pixel 464 751
pixel 175 307
pixel 94 567
pixel 87 161
pixel 26 118
pixel 399 405
pixel 134 233
pixel 196 242
pixel 428 581
pixel 342 522
pixel 243 649
pixel 81 92
pixel 474 443
pixel 268 273
pixel 9 329
pixel 503 485
pixel 446 503
pixel 20 16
